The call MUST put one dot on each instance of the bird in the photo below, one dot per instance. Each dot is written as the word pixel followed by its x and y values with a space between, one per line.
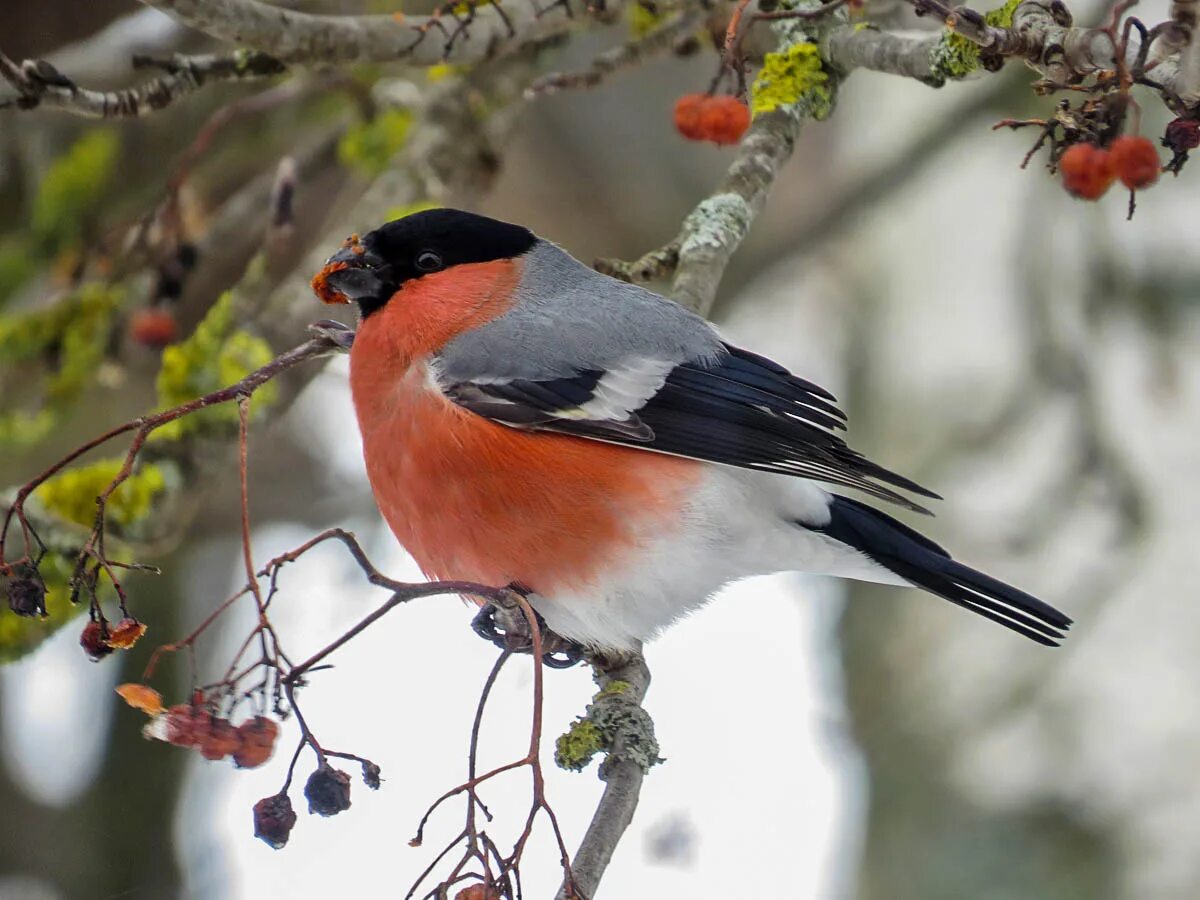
pixel 529 422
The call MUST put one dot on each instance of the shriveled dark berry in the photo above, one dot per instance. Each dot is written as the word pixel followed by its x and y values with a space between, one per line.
pixel 274 819
pixel 1182 134
pixel 94 641
pixel 27 597
pixel 328 791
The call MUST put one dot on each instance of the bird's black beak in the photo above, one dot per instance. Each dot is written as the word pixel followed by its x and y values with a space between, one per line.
pixel 354 275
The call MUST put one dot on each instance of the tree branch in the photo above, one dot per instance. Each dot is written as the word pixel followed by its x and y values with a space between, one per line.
pixel 485 31
pixel 624 683
pixel 882 51
pixel 624 56
pixel 38 83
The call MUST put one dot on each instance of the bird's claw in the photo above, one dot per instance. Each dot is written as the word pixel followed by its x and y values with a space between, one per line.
pixel 564 657
pixel 561 653
pixel 340 335
pixel 484 625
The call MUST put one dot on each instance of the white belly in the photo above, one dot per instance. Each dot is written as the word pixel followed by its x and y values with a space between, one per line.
pixel 738 524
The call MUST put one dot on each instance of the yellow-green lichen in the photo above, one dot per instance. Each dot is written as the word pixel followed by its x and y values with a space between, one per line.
pixel 1002 17
pixel 22 428
pixel 72 188
pixel 72 494
pixel 71 336
pixel 215 356
pixel 793 79
pixel 642 19
pixel 612 689
pixel 18 263
pixel 612 724
pixel 370 146
pixel 31 334
pixel 576 747
pixel 442 71
pixel 955 57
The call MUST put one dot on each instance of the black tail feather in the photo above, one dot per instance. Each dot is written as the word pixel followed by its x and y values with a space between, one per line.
pixel 923 563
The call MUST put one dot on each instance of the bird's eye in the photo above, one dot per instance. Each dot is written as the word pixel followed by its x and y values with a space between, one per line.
pixel 428 261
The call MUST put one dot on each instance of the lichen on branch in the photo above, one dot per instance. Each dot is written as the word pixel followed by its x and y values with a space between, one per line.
pixel 218 353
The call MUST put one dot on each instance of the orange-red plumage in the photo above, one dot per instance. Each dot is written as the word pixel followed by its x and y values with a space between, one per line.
pixel 471 499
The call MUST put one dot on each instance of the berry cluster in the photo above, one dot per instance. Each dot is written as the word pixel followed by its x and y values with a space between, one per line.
pixel 195 725
pixel 1088 170
pixel 703 117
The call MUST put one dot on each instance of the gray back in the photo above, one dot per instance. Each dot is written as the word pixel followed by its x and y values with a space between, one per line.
pixel 569 318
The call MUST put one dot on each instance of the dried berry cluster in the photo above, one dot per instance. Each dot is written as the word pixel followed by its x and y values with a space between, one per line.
pixel 249 744
pixel 1088 170
pixel 195 725
pixel 327 792
pixel 703 117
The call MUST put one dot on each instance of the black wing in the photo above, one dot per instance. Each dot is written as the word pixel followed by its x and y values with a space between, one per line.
pixel 741 410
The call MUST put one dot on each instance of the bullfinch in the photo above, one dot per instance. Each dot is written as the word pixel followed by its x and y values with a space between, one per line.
pixel 527 421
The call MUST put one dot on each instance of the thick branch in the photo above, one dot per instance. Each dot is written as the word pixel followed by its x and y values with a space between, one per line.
pixel 714 230
pixel 881 51
pixel 622 773
pixel 483 32
pixel 38 83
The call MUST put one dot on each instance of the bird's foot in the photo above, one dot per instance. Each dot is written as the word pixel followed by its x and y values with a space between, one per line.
pixel 507 628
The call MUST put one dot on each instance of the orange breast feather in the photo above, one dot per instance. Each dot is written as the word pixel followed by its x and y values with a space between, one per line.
pixel 474 500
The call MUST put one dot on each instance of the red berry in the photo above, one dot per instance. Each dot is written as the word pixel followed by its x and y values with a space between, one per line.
pixel 218 739
pixel 1135 161
pixel 153 327
pixel 722 120
pixel 1086 171
pixel 187 725
pixel 256 741
pixel 477 892
pixel 688 111
pixel 725 120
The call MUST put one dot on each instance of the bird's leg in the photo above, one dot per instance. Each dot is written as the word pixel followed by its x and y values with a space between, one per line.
pixel 507 629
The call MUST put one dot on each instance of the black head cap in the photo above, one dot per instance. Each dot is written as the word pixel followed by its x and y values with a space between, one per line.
pixel 370 272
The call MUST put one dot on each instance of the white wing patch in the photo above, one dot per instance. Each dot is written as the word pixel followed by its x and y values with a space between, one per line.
pixel 623 390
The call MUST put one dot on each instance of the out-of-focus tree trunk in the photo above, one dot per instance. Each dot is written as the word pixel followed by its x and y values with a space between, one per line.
pixel 925 840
